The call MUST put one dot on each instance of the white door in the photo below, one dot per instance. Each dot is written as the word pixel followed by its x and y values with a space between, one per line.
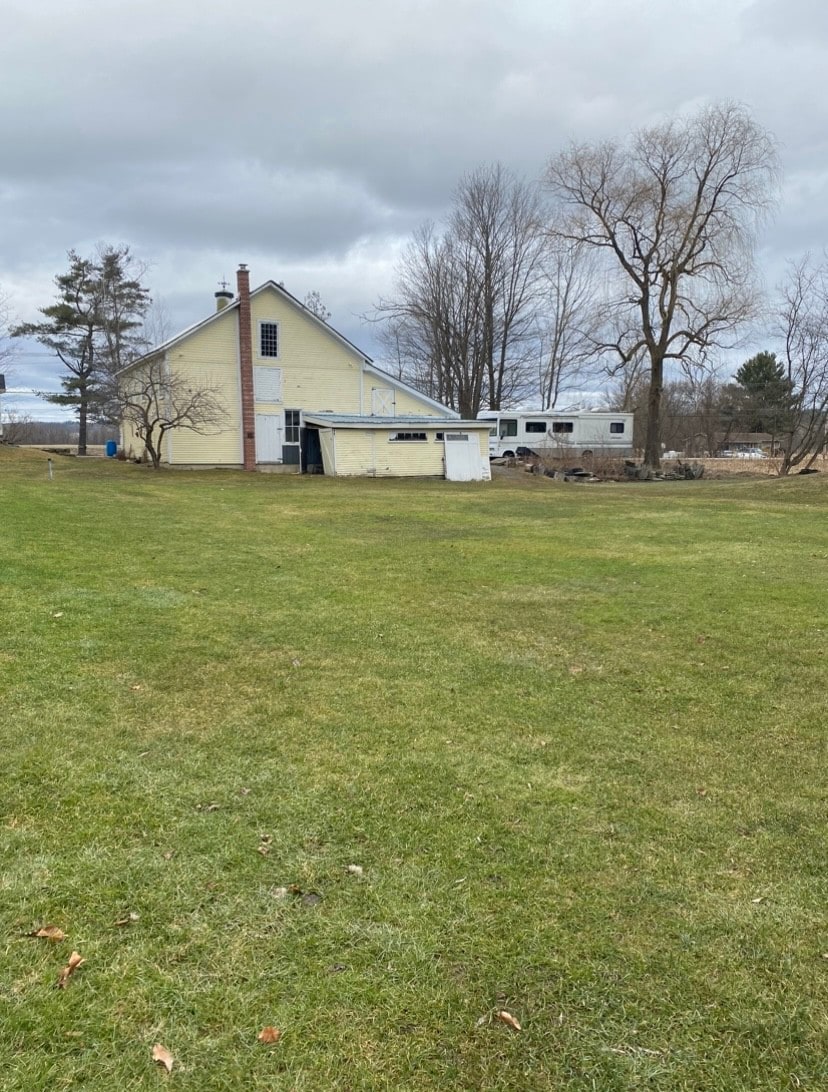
pixel 382 402
pixel 463 461
pixel 269 435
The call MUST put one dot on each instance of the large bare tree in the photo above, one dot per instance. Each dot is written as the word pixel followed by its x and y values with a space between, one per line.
pixel 154 400
pixel 462 323
pixel 674 213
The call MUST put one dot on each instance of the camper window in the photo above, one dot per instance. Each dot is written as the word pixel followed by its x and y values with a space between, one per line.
pixel 563 426
pixel 536 426
pixel 616 426
pixel 508 427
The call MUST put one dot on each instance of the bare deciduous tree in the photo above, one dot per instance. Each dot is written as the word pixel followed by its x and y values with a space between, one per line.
pixel 803 323
pixel 155 400
pixel 462 324
pixel 568 321
pixel 674 215
pixel 316 305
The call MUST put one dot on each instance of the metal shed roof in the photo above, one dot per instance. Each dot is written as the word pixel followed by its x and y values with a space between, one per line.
pixel 402 421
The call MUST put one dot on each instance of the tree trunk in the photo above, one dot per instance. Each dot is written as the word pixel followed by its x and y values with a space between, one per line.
pixel 82 416
pixel 652 444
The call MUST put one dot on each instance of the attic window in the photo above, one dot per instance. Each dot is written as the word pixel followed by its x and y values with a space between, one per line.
pixel 268 339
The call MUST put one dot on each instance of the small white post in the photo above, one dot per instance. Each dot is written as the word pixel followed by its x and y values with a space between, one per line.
pixel 50 470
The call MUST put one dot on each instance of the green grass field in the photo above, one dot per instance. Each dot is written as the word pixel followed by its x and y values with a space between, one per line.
pixel 573 736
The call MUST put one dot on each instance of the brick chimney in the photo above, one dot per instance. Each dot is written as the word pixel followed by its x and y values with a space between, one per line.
pixel 248 412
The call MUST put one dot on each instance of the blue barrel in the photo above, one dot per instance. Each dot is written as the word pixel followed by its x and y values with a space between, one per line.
pixel 111 449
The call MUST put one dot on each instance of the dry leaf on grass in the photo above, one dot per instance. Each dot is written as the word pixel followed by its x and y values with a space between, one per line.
pixel 48 932
pixel 58 614
pixel 354 869
pixel 75 960
pixel 162 1056
pixel 508 1019
pixel 130 919
pixel 269 1035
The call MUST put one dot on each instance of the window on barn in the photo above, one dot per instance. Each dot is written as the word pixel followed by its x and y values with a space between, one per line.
pixel 400 437
pixel 508 427
pixel 536 426
pixel 292 423
pixel 616 426
pixel 268 339
pixel 563 426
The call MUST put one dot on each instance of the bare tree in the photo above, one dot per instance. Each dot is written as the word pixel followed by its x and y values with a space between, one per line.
pixel 155 400
pixel 674 214
pixel 568 322
pixel 803 325
pixel 315 304
pixel 462 323
pixel 6 344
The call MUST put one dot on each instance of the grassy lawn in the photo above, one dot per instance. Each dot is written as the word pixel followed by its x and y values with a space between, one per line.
pixel 573 736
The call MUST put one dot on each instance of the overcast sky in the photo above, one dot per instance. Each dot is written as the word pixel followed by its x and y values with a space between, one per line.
pixel 308 140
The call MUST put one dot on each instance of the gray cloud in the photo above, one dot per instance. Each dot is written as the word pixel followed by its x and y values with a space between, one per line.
pixel 309 140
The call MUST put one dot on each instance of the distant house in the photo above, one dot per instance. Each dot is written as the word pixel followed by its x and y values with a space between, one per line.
pixel 748 441
pixel 300 397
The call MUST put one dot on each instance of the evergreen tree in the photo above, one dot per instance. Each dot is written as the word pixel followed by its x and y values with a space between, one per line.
pixel 766 394
pixel 93 327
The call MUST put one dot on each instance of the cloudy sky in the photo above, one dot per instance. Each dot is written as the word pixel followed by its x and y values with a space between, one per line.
pixel 308 140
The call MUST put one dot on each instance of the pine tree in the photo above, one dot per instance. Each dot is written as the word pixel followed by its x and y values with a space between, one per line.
pixel 93 328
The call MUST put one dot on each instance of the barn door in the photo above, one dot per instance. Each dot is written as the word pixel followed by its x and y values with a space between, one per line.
pixel 269 436
pixel 463 462
pixel 382 402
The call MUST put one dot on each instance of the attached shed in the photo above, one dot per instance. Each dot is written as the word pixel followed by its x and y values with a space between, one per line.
pixel 402 446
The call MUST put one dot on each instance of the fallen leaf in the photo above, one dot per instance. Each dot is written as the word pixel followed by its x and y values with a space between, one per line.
pixel 508 1019
pixel 481 1020
pixel 130 919
pixel 208 807
pixel 575 669
pixel 296 663
pixel 244 792
pixel 760 899
pixel 269 1035
pixel 354 869
pixel 136 686
pixel 48 932
pixel 264 849
pixel 168 856
pixel 280 892
pixel 337 968
pixel 58 614
pixel 75 960
pixel 162 1056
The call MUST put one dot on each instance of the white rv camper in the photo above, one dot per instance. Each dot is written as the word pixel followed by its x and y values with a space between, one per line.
pixel 551 433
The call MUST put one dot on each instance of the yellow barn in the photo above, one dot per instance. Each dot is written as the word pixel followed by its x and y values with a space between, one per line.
pixel 295 396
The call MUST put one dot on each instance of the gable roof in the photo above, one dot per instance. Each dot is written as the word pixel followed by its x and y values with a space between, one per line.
pixel 367 362
pixel 233 305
